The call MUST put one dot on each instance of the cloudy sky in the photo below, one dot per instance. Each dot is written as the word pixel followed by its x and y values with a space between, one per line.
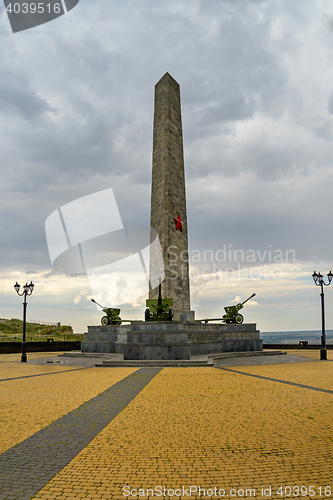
pixel 76 117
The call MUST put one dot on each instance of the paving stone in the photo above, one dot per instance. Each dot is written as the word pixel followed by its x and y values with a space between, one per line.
pixel 206 427
pixel 209 427
pixel 39 374
pixel 28 466
pixel 279 380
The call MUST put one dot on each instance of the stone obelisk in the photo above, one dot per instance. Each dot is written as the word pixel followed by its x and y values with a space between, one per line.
pixel 168 197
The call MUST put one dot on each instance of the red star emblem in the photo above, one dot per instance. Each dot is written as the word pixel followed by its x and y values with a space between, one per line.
pixel 179 223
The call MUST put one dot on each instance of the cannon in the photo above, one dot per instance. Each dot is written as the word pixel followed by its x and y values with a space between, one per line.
pixel 231 313
pixel 111 315
pixel 159 309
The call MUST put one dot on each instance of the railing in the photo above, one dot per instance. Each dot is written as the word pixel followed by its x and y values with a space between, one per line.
pixel 44 323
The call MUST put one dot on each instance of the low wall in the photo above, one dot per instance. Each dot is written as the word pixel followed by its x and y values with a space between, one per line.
pixel 295 346
pixel 226 345
pixel 13 347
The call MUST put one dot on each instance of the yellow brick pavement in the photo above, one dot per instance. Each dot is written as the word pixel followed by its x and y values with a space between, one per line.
pixel 210 428
pixel 315 373
pixel 30 404
pixel 309 354
pixel 16 357
pixel 12 370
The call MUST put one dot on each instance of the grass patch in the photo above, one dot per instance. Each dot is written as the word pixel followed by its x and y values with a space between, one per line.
pixel 11 331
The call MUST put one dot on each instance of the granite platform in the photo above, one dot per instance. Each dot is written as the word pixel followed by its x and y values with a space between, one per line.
pixel 176 340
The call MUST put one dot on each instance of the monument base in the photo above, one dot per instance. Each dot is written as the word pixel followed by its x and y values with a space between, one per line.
pixel 183 315
pixel 173 340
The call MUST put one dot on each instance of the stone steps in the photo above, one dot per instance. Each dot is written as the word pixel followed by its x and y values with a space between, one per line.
pixel 212 360
pixel 151 362
pixel 236 354
pixel 170 340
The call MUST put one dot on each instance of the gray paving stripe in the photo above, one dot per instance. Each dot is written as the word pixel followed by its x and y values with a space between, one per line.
pixel 30 465
pixel 278 380
pixel 41 374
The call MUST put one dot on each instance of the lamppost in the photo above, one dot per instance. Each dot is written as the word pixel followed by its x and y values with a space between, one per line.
pixel 27 290
pixel 319 281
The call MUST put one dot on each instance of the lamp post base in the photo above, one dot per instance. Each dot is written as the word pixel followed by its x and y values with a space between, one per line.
pixel 23 358
pixel 323 354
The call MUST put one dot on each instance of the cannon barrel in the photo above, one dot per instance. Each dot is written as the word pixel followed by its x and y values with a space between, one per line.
pixel 160 291
pixel 92 300
pixel 248 299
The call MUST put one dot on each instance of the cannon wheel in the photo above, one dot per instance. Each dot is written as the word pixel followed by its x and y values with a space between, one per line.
pixel 238 318
pixel 170 314
pixel 147 314
pixel 105 321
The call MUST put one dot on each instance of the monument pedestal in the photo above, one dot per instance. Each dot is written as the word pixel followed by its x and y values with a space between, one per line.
pixel 162 340
pixel 183 315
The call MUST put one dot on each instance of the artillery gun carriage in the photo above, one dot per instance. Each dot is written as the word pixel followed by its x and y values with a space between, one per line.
pixel 159 309
pixel 231 314
pixel 111 315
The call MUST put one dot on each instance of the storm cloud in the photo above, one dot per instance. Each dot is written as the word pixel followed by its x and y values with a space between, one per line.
pixel 76 117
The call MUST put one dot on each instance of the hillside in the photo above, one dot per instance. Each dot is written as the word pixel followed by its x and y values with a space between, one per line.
pixel 11 331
